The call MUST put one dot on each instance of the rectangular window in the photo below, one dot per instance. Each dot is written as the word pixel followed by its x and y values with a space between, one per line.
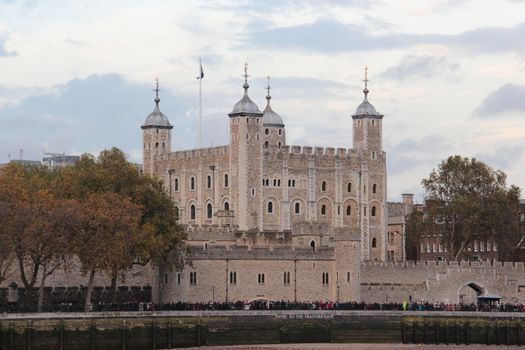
pixel 348 277
pixel 193 277
pixel 178 278
pixel 260 278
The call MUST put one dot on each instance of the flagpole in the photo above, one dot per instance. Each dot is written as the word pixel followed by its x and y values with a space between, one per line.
pixel 200 105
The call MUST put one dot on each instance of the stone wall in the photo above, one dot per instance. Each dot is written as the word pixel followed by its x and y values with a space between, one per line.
pixel 441 281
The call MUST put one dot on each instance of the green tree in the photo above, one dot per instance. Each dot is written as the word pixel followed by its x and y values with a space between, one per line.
pixel 467 201
pixel 414 227
pixel 161 238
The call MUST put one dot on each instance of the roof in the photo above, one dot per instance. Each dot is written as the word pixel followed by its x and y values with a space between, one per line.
pixel 245 105
pixel 365 109
pixel 270 118
pixel 157 119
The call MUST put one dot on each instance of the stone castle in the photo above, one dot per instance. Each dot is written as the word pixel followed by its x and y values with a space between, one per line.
pixel 270 220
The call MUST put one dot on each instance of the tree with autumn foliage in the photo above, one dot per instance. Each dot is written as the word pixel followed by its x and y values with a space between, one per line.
pixel 33 225
pixel 466 200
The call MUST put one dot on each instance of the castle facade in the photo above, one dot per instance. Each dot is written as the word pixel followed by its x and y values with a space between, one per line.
pixel 270 220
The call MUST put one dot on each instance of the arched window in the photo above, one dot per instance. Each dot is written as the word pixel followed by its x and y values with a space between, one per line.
pixel 274 182
pixel 270 207
pixel 373 213
pixel 280 131
pixel 348 210
pixel 192 212
pixel 278 183
pixel 374 188
pixel 176 184
pixel 279 145
pixel 374 242
pixel 192 183
pixel 323 209
pixel 226 206
pixel 312 245
pixel 323 186
pixel 265 144
pixel 349 187
pixel 293 183
pixel 267 182
pixel 209 211
pixel 156 145
pixel 226 180
pixel 297 208
pixel 208 181
pixel 266 131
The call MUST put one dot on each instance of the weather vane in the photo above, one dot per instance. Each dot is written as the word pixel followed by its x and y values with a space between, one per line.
pixel 268 86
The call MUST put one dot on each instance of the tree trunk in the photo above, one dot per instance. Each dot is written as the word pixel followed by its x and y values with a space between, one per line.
pixel 87 304
pixel 114 289
pixel 41 290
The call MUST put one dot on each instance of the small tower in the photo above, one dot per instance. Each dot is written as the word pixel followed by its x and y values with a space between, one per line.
pixel 273 124
pixel 156 135
pixel 246 160
pixel 367 130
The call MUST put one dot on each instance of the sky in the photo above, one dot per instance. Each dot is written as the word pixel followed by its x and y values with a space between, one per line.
pixel 77 76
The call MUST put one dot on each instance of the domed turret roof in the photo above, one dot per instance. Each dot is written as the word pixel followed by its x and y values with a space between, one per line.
pixel 245 104
pixel 270 118
pixel 365 109
pixel 157 119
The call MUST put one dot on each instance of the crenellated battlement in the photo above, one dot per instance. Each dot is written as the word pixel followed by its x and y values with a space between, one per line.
pixel 221 252
pixel 499 266
pixel 328 152
pixel 200 153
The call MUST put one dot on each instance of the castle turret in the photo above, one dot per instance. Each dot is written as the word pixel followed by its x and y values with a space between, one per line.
pixel 273 125
pixel 367 128
pixel 156 136
pixel 367 141
pixel 246 160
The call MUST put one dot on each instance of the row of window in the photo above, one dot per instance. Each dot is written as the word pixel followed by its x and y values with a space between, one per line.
pixel 209 210
pixel 267 131
pixel 193 185
pixel 297 209
pixel 476 246
pixel 265 182
pixel 261 278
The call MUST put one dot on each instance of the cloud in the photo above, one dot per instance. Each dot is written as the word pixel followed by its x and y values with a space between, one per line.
pixel 320 37
pixel 409 153
pixel 504 157
pixel 76 43
pixel 508 98
pixel 93 113
pixel 294 87
pixel 3 49
pixel 423 66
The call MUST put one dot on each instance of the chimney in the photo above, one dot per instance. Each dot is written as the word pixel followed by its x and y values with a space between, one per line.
pixel 408 198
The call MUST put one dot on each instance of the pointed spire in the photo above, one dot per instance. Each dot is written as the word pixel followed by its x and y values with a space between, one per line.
pixel 365 90
pixel 268 88
pixel 157 99
pixel 245 76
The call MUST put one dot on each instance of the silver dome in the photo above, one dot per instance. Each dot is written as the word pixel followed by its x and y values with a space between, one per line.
pixel 245 104
pixel 365 109
pixel 157 118
pixel 270 118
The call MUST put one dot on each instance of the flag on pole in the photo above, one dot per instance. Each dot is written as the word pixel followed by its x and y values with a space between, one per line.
pixel 201 72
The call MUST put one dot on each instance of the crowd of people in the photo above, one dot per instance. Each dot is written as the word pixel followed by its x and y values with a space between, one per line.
pixel 276 305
